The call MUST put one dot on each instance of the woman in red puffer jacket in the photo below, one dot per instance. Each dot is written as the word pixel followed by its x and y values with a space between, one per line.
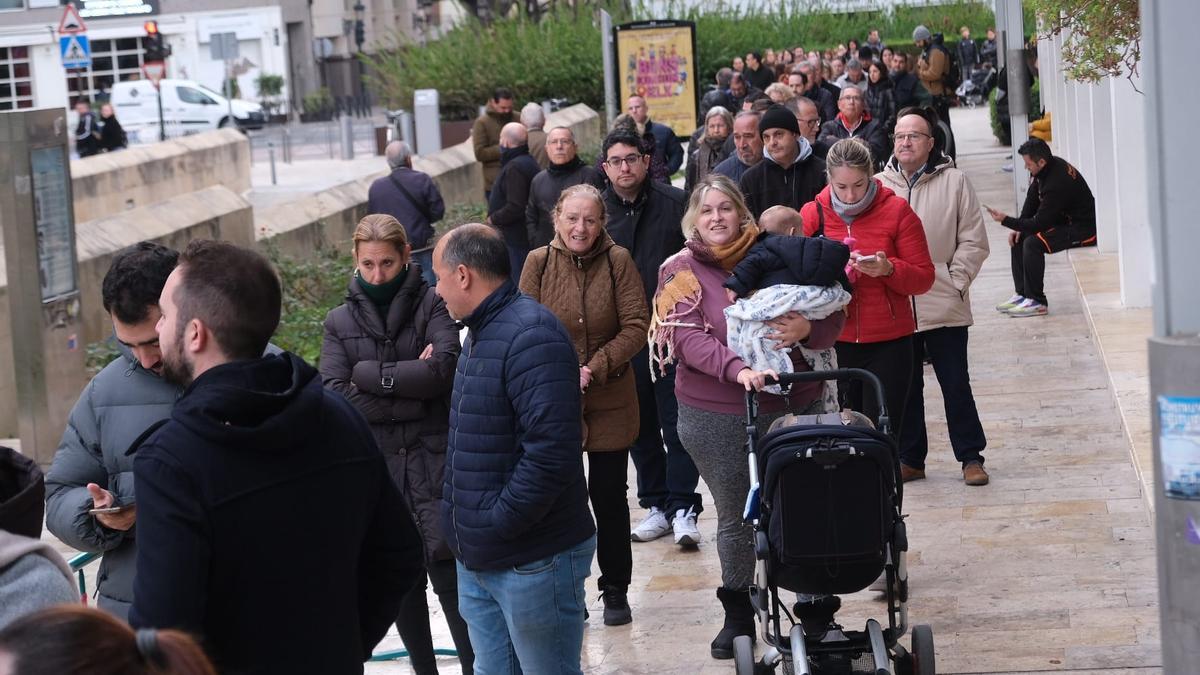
pixel 890 263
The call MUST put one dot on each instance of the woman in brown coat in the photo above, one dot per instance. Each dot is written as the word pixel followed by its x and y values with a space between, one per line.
pixel 593 287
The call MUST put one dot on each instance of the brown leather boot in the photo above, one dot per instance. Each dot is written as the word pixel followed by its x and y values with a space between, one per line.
pixel 908 473
pixel 973 474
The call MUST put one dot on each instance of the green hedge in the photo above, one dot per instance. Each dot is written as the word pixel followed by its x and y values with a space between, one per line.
pixel 1035 111
pixel 560 55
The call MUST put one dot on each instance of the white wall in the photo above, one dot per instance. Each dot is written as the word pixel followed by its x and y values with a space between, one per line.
pixel 1099 129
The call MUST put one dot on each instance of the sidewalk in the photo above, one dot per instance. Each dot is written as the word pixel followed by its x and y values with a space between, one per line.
pixel 1050 568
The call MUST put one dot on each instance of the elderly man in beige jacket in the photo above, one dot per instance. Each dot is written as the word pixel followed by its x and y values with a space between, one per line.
pixel 944 199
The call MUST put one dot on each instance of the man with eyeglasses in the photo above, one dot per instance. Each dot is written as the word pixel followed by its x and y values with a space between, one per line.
pixel 644 216
pixel 747 146
pixel 853 121
pixel 790 174
pixel 949 210
pixel 564 171
pixel 809 121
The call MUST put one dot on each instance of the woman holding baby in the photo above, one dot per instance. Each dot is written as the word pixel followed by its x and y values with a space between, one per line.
pixel 689 328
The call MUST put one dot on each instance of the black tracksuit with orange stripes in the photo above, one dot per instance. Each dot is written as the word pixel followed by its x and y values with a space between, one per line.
pixel 1059 213
pixel 1058 198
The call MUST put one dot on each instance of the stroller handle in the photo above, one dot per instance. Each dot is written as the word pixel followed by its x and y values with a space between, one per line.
pixel 788 379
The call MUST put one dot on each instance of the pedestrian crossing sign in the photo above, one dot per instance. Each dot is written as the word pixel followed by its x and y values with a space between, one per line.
pixel 76 52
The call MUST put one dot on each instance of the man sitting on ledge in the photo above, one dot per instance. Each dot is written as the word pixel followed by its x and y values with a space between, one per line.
pixel 1059 213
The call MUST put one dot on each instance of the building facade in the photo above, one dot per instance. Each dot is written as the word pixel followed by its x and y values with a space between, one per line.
pixel 312 44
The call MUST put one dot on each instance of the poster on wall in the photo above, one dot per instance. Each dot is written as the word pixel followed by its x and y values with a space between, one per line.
pixel 657 61
pixel 1179 445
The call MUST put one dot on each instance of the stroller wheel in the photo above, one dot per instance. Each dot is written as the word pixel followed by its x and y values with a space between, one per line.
pixel 743 655
pixel 922 650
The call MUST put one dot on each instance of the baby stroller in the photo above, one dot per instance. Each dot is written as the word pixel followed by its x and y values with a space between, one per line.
pixel 825 503
pixel 974 89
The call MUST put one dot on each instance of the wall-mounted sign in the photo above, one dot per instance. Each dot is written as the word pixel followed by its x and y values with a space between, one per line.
pixel 100 9
pixel 52 221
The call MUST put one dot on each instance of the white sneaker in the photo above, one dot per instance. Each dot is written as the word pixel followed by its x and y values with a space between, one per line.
pixel 1012 302
pixel 1027 309
pixel 686 532
pixel 653 526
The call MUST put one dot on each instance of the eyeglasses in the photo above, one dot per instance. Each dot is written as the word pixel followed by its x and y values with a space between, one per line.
pixel 616 162
pixel 911 138
pixel 814 120
pixel 561 141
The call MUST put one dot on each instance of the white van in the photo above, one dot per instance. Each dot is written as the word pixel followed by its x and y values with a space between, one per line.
pixel 188 107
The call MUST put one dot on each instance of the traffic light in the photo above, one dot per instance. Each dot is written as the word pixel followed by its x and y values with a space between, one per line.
pixel 360 34
pixel 156 47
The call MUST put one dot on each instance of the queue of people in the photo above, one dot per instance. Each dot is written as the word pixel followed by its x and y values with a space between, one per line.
pixel 632 329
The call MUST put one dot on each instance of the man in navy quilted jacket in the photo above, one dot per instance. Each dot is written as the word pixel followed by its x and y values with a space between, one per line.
pixel 515 504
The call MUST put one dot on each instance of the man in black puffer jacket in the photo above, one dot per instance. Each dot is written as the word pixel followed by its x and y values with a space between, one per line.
pixel 644 217
pixel 564 171
pixel 258 460
pixel 510 193
pixel 789 175
pixel 515 501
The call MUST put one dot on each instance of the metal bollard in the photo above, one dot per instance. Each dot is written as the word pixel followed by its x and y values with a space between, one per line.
pixel 406 130
pixel 271 158
pixel 329 139
pixel 287 145
pixel 347 137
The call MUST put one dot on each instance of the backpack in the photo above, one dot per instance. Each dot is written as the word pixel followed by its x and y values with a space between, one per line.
pixel 953 73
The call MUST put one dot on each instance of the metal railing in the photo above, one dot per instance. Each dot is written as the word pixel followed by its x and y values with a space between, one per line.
pixel 81 560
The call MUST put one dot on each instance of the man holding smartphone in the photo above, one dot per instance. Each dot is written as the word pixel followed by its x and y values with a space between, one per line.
pixel 89 488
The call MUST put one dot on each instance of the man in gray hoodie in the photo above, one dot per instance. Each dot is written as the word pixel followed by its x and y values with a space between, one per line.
pixel 32 574
pixel 91 469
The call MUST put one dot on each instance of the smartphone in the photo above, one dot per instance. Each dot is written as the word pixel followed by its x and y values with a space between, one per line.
pixel 867 258
pixel 120 508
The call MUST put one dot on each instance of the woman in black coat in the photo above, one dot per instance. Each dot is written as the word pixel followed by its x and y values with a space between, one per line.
pixel 391 349
pixel 880 98
pixel 112 136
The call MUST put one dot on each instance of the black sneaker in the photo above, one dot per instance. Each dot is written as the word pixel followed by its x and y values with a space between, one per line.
pixel 616 607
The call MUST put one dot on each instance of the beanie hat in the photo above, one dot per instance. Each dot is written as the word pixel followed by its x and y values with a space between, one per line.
pixel 921 33
pixel 778 117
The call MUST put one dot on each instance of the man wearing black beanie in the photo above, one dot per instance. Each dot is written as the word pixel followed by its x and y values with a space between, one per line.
pixel 790 175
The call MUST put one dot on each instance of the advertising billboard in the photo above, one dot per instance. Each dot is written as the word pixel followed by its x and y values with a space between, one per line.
pixel 657 61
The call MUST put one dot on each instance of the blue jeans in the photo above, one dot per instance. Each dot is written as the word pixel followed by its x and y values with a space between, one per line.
pixel 528 618
pixel 425 260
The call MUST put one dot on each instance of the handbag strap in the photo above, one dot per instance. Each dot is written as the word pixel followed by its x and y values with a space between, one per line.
pixel 420 206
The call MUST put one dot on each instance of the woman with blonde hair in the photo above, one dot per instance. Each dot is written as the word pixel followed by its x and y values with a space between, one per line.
pixel 391 350
pixel 710 147
pixel 711 380
pixel 594 288
pixel 76 640
pixel 890 263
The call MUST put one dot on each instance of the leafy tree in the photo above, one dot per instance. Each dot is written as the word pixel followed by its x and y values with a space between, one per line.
pixel 1103 39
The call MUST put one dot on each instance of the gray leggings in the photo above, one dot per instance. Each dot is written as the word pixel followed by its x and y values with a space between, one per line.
pixel 717 442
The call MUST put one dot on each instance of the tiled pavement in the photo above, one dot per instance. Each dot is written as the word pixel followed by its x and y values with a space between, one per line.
pixel 1049 569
